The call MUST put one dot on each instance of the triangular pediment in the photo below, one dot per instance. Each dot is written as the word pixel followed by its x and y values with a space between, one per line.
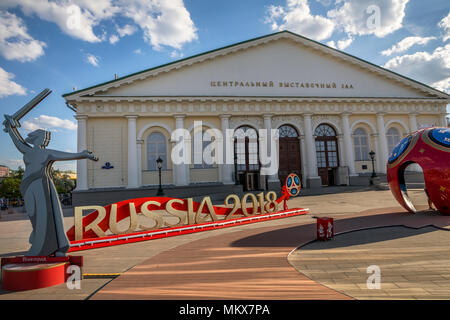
pixel 278 65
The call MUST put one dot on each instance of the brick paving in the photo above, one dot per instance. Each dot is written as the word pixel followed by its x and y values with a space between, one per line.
pixel 205 260
pixel 414 263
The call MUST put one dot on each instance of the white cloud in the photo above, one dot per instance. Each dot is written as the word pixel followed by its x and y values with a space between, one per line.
pixel 176 54
pixel 65 165
pixel 127 30
pixel 340 44
pixel 164 23
pixel 113 39
pixel 443 85
pixel 91 59
pixel 15 42
pixel 49 123
pixel 445 24
pixel 363 17
pixel 13 164
pixel 9 87
pixel 430 68
pixel 406 43
pixel 296 17
pixel 75 18
pixel 138 51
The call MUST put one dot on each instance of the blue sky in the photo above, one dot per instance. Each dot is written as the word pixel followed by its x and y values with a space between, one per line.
pixel 78 43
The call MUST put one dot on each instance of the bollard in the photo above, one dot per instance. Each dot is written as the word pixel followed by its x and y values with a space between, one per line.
pixel 325 228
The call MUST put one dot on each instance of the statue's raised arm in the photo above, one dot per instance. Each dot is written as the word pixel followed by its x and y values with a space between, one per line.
pixel 11 127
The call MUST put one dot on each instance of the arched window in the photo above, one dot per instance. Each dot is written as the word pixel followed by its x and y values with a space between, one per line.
pixel 197 154
pixel 324 130
pixel 156 147
pixel 361 144
pixel 393 138
pixel 326 146
pixel 286 131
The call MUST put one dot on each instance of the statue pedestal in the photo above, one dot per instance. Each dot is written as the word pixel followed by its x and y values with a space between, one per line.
pixel 28 273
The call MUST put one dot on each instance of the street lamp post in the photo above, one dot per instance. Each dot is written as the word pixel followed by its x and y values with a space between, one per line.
pixel 374 175
pixel 159 163
pixel 236 176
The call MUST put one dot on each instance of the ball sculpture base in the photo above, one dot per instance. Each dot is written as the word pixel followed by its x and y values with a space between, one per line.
pixel 28 273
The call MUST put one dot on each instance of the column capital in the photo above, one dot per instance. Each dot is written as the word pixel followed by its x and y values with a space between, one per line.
pixel 308 114
pixel 268 115
pixel 375 135
pixel 225 116
pixel 413 114
pixel 80 117
pixel 139 142
pixel 179 116
pixel 381 114
pixel 346 113
pixel 131 117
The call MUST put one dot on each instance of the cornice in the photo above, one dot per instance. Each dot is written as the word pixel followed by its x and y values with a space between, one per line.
pixel 209 108
pixel 279 99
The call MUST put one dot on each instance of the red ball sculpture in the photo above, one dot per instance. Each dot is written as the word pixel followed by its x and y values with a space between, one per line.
pixel 429 148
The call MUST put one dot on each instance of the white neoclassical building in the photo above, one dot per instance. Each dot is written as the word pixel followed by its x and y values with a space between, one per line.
pixel 331 110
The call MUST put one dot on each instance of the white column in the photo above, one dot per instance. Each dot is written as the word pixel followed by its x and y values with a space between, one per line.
pixel 379 164
pixel 139 160
pixel 81 145
pixel 383 149
pixel 341 148
pixel 181 171
pixel 444 121
pixel 303 159
pixel 227 168
pixel 313 178
pixel 268 127
pixel 348 145
pixel 412 122
pixel 132 153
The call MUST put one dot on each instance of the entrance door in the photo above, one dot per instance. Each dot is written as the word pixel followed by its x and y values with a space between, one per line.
pixel 246 154
pixel 289 153
pixel 327 153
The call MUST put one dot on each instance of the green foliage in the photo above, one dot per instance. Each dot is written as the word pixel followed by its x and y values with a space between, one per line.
pixel 18 174
pixel 62 181
pixel 10 188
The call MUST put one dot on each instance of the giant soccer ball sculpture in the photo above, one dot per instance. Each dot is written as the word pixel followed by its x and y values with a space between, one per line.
pixel 429 148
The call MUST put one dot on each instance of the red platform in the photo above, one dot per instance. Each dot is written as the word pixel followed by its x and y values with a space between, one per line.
pixel 28 273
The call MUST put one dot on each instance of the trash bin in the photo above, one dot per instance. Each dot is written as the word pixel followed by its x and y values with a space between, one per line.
pixel 325 228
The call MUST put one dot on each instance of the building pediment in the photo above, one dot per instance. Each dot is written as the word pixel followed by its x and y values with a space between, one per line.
pixel 278 65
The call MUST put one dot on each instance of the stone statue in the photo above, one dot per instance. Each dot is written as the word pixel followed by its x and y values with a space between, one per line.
pixel 37 188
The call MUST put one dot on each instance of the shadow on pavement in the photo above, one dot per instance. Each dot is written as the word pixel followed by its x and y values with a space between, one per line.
pixel 302 234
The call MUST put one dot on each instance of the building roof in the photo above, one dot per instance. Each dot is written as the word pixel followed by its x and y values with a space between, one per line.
pixel 250 43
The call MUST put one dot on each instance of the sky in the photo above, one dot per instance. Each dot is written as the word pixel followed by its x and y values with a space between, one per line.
pixel 73 44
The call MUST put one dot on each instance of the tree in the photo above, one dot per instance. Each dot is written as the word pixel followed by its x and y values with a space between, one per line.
pixel 18 173
pixel 62 181
pixel 10 188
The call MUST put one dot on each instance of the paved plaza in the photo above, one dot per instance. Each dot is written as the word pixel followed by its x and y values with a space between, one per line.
pixel 275 259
